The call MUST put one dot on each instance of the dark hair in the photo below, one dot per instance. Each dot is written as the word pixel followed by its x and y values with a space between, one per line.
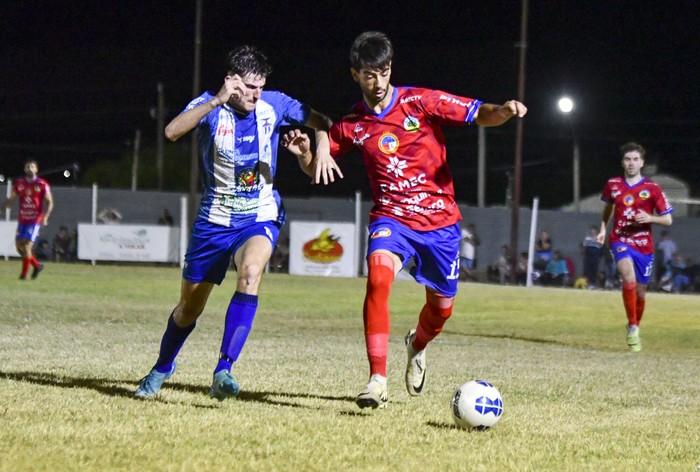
pixel 246 60
pixel 625 148
pixel 372 50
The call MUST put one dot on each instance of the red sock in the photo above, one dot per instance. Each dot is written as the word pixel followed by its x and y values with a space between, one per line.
pixel 629 298
pixel 26 262
pixel 34 262
pixel 433 316
pixel 640 308
pixel 376 311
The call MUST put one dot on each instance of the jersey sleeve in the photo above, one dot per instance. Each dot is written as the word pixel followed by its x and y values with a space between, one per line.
pixel 448 109
pixel 662 205
pixel 606 195
pixel 291 111
pixel 339 142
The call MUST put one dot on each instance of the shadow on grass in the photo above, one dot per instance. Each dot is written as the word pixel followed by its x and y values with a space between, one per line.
pixel 507 336
pixel 111 388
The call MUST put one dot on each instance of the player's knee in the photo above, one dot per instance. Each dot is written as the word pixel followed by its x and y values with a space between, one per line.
pixel 249 276
pixel 380 271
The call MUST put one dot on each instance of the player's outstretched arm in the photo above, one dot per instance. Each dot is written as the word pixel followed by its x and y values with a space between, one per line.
pixel 49 207
pixel 299 144
pixel 324 166
pixel 489 114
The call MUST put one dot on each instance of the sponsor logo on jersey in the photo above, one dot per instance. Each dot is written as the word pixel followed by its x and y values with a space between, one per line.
pixel 411 124
pixel 455 101
pixel 628 200
pixel 246 178
pixel 380 233
pixel 412 98
pixel 621 248
pixel 644 194
pixel 246 139
pixel 224 130
pixel 396 166
pixel 388 143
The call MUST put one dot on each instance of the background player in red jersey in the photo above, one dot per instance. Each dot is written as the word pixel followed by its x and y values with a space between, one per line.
pixel 415 216
pixel 32 190
pixel 633 199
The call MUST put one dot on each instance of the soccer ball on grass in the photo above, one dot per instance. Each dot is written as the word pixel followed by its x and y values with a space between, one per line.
pixel 476 405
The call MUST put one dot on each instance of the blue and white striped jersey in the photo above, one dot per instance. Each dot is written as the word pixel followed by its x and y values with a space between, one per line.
pixel 238 159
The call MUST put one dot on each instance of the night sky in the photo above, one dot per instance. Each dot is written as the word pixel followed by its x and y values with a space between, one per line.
pixel 78 79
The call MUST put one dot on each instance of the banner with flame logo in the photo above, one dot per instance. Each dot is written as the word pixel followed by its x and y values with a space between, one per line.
pixel 322 248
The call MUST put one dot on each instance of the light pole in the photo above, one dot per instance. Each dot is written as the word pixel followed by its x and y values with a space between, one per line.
pixel 566 106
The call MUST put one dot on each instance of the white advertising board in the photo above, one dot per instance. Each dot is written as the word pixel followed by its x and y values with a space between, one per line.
pixel 137 243
pixel 322 248
pixel 8 231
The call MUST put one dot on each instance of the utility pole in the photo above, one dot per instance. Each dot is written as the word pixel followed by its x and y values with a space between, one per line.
pixel 194 160
pixel 160 137
pixel 135 161
pixel 517 177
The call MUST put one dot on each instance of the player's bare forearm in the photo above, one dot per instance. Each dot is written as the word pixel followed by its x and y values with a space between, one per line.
pixel 607 213
pixel 188 120
pixel 490 114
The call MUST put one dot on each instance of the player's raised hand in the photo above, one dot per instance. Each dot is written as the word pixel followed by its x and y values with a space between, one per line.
pixel 232 88
pixel 296 142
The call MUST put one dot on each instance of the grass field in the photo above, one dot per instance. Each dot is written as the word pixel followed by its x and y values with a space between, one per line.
pixel 75 342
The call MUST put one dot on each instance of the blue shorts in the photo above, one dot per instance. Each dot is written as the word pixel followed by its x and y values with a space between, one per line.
pixel 643 263
pixel 435 253
pixel 212 246
pixel 28 232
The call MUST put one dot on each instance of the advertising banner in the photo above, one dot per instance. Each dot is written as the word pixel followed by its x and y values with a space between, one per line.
pixel 322 248
pixel 8 231
pixel 137 243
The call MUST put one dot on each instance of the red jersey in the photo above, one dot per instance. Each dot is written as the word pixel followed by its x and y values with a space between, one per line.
pixel 628 200
pixel 404 153
pixel 31 199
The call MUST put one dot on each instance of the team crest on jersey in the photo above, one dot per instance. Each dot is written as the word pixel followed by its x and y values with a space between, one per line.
pixel 388 143
pixel 411 124
pixel 628 200
pixel 644 194
pixel 381 233
pixel 621 248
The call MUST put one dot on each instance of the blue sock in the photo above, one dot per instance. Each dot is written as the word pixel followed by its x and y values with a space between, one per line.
pixel 239 321
pixel 173 339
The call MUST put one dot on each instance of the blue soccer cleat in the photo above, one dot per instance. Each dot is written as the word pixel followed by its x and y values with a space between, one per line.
pixel 224 386
pixel 150 384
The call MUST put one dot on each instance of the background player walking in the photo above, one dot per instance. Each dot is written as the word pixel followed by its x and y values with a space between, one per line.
pixel 632 201
pixel 32 191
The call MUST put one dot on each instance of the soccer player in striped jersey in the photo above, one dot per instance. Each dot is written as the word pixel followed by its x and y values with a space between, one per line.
pixel 634 203
pixel 32 191
pixel 415 216
pixel 240 214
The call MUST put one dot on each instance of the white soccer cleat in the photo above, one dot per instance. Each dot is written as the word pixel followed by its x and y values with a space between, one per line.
pixel 374 395
pixel 415 367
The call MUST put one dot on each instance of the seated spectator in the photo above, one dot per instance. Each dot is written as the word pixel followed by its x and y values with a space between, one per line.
pixel 521 269
pixel 543 251
pixel 499 271
pixel 677 278
pixel 556 271
pixel 42 249
pixel 61 245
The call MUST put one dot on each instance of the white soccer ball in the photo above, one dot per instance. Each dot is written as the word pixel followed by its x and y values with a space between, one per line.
pixel 476 404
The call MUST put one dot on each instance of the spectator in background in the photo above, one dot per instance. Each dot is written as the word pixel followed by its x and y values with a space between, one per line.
pixel 543 251
pixel 110 216
pixel 166 219
pixel 42 250
pixel 664 254
pixel 556 271
pixel 61 245
pixel 499 271
pixel 591 250
pixel 467 260
pixel 521 269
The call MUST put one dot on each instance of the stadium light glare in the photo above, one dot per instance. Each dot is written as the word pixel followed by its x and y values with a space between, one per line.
pixel 566 105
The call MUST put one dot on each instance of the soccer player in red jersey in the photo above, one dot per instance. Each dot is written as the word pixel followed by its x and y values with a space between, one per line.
pixel 32 191
pixel 632 201
pixel 415 216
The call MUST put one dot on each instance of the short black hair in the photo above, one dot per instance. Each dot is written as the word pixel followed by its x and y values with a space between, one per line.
pixel 246 60
pixel 632 146
pixel 372 50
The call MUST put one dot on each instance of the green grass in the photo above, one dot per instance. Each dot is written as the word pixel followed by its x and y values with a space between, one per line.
pixel 75 342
